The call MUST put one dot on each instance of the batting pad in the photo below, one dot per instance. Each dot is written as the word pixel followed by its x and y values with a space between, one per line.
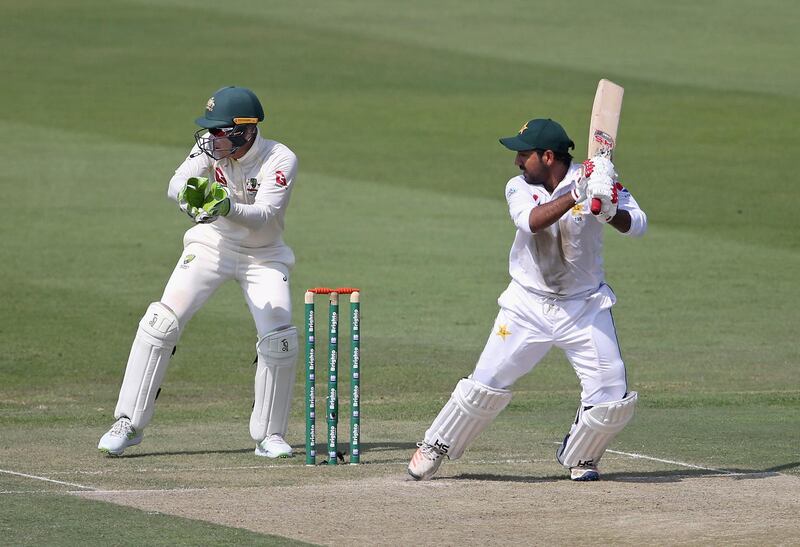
pixel 593 431
pixel 274 382
pixel 471 408
pixel 153 346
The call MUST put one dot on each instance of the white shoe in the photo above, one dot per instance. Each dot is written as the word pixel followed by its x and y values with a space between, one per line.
pixel 425 462
pixel 121 435
pixel 583 474
pixel 274 447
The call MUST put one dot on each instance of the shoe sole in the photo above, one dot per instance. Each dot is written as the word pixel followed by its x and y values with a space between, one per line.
pixel 264 454
pixel 413 475
pixel 590 476
pixel 111 454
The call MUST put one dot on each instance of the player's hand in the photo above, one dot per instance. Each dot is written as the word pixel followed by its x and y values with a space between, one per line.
pixel 217 203
pixel 201 217
pixel 579 185
pixel 192 196
pixel 603 188
pixel 607 211
pixel 600 165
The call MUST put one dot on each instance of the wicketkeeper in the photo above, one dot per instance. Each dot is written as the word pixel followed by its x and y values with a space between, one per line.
pixel 557 297
pixel 235 187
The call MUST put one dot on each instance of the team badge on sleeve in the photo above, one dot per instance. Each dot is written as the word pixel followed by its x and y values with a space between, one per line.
pixel 280 178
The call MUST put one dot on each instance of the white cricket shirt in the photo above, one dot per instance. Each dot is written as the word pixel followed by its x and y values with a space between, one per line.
pixel 565 259
pixel 260 184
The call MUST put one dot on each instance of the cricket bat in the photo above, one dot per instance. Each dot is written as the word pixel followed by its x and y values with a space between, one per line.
pixel 604 124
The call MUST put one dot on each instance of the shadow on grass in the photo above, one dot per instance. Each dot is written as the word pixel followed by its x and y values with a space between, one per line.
pixel 186 453
pixel 299 450
pixel 646 477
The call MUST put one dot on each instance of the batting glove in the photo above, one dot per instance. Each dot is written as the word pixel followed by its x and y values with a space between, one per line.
pixel 600 165
pixel 579 184
pixel 604 188
pixel 607 212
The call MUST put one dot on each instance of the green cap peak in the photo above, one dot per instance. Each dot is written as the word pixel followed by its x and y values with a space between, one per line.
pixel 540 134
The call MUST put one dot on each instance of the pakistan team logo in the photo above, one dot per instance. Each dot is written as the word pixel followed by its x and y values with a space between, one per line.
pixel 210 104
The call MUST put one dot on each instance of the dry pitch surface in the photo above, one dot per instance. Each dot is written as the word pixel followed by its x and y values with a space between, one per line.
pixel 474 502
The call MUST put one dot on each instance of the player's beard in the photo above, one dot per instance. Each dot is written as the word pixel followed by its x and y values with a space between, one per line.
pixel 532 178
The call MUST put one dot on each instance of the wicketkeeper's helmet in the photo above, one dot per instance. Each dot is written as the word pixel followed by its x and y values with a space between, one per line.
pixel 231 106
pixel 228 113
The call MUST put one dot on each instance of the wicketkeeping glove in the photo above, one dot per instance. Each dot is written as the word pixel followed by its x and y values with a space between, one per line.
pixel 217 203
pixel 193 195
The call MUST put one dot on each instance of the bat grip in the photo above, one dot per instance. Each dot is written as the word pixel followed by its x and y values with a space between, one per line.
pixel 596 206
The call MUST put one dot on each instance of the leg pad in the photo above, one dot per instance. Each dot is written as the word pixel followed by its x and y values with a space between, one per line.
pixel 594 429
pixel 470 410
pixel 154 344
pixel 274 382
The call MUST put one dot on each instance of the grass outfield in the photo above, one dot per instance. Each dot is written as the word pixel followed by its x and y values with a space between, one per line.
pixel 395 117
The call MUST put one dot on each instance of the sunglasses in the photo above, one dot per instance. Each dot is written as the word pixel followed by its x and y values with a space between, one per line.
pixel 221 132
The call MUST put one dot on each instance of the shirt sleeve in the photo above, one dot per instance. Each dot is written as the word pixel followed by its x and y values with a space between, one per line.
pixel 196 164
pixel 520 203
pixel 273 194
pixel 638 217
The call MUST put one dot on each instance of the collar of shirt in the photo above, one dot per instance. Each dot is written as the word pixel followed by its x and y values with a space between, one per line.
pixel 252 156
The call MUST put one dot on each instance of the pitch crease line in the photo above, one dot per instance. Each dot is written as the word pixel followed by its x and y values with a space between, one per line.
pixel 684 464
pixel 46 479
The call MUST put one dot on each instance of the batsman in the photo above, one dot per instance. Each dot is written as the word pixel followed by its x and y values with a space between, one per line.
pixel 234 186
pixel 557 296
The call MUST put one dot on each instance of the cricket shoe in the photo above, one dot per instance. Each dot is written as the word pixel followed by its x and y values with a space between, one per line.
pixel 121 435
pixel 274 447
pixel 584 474
pixel 425 462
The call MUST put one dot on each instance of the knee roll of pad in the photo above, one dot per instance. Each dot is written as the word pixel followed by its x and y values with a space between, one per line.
pixel 279 345
pixel 274 382
pixel 593 431
pixel 152 347
pixel 470 410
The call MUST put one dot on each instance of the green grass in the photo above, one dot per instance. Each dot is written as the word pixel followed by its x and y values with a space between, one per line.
pixel 122 526
pixel 394 114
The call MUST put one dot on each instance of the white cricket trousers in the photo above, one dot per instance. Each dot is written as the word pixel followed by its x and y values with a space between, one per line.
pixel 528 325
pixel 203 268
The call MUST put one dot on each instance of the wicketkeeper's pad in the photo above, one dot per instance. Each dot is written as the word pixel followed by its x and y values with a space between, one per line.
pixel 470 410
pixel 593 431
pixel 152 347
pixel 274 382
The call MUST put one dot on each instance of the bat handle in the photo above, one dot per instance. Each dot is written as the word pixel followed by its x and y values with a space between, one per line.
pixel 596 206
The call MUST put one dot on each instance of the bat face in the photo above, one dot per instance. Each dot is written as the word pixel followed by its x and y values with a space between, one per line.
pixel 603 142
pixel 605 118
pixel 604 124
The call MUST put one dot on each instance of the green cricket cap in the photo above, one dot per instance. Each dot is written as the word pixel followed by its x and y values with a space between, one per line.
pixel 231 106
pixel 540 134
